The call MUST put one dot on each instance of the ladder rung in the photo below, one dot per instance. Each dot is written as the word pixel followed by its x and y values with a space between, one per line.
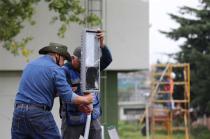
pixel 175 83
pixel 161 82
pixel 160 129
pixel 181 110
pixel 172 65
pixel 163 92
pixel 160 110
pixel 166 101
pixel 159 74
pixel 179 128
pixel 181 101
pixel 174 128
pixel 180 83
pixel 161 101
pixel 161 119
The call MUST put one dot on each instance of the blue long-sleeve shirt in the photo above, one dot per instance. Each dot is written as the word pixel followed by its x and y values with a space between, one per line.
pixel 41 80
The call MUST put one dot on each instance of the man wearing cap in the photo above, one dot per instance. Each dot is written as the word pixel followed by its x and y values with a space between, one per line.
pixel 74 116
pixel 42 80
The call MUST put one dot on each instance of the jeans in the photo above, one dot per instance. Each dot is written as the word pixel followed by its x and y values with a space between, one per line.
pixel 33 124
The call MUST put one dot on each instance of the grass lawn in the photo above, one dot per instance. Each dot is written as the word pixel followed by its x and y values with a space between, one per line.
pixel 129 130
pixel 133 131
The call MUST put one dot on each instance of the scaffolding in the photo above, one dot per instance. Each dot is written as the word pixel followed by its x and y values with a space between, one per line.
pixel 168 108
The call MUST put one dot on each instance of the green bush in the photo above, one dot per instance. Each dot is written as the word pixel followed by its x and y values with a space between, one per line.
pixel 200 132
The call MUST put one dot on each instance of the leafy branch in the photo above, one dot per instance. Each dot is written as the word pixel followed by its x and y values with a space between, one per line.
pixel 13 13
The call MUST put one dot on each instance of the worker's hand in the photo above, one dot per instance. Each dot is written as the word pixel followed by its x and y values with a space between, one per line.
pixel 86 99
pixel 86 108
pixel 100 36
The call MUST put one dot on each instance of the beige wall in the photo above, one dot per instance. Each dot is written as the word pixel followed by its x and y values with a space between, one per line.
pixel 9 82
pixel 8 86
pixel 126 24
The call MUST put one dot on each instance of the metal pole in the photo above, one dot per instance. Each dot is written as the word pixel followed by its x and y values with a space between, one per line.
pixel 147 121
pixel 102 132
pixel 87 126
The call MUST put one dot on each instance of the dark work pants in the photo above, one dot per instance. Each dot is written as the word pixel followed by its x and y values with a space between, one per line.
pixel 33 124
pixel 74 131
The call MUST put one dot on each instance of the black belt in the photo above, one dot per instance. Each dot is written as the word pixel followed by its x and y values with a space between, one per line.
pixel 32 106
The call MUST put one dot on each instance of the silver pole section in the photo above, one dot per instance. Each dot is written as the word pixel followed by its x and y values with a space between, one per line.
pixel 87 126
pixel 147 121
pixel 102 132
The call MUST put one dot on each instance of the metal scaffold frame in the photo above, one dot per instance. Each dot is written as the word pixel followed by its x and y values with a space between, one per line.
pixel 163 113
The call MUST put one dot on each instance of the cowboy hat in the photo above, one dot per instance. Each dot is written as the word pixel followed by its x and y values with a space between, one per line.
pixel 56 48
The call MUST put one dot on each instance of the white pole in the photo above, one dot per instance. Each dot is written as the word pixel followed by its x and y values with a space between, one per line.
pixel 102 132
pixel 87 126
pixel 147 121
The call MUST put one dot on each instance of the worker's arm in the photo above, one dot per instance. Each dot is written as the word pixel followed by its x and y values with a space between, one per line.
pixel 171 86
pixel 65 92
pixel 106 58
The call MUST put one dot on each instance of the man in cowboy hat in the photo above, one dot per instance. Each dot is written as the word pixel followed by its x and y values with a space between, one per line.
pixel 41 81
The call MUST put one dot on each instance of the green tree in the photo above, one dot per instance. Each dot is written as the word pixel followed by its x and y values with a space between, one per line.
pixel 194 29
pixel 13 13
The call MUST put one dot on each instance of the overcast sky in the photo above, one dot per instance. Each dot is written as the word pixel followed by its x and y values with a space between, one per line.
pixel 159 20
